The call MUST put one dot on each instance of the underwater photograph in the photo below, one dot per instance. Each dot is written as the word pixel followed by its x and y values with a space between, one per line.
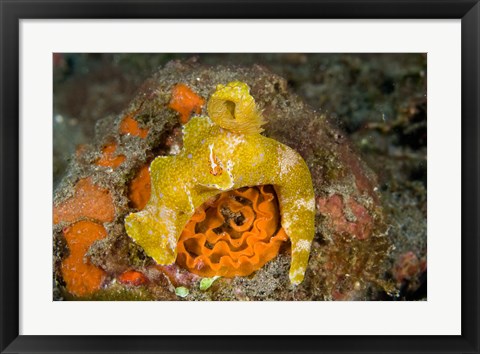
pixel 239 177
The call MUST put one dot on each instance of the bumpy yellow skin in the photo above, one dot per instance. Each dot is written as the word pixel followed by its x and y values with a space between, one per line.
pixel 222 152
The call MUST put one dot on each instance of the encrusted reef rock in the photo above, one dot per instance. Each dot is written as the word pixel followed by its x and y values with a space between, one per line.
pixel 106 181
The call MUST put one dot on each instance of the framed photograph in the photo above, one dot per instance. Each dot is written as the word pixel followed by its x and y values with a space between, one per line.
pixel 239 177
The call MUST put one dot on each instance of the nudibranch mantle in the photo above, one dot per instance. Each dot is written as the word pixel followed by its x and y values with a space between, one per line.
pixel 221 152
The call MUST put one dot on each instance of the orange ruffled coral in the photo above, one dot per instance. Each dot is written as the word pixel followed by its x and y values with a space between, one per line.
pixel 234 235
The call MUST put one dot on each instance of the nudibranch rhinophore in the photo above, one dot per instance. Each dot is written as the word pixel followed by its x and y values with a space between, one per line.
pixel 222 152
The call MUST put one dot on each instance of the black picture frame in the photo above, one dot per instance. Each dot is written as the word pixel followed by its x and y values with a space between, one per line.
pixel 12 11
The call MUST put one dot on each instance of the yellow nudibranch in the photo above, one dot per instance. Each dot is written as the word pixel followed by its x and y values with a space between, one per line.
pixel 222 152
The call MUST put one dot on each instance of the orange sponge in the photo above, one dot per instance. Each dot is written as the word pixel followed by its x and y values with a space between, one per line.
pixel 234 235
pixel 128 125
pixel 89 201
pixel 81 277
pixel 109 158
pixel 185 102
pixel 139 188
